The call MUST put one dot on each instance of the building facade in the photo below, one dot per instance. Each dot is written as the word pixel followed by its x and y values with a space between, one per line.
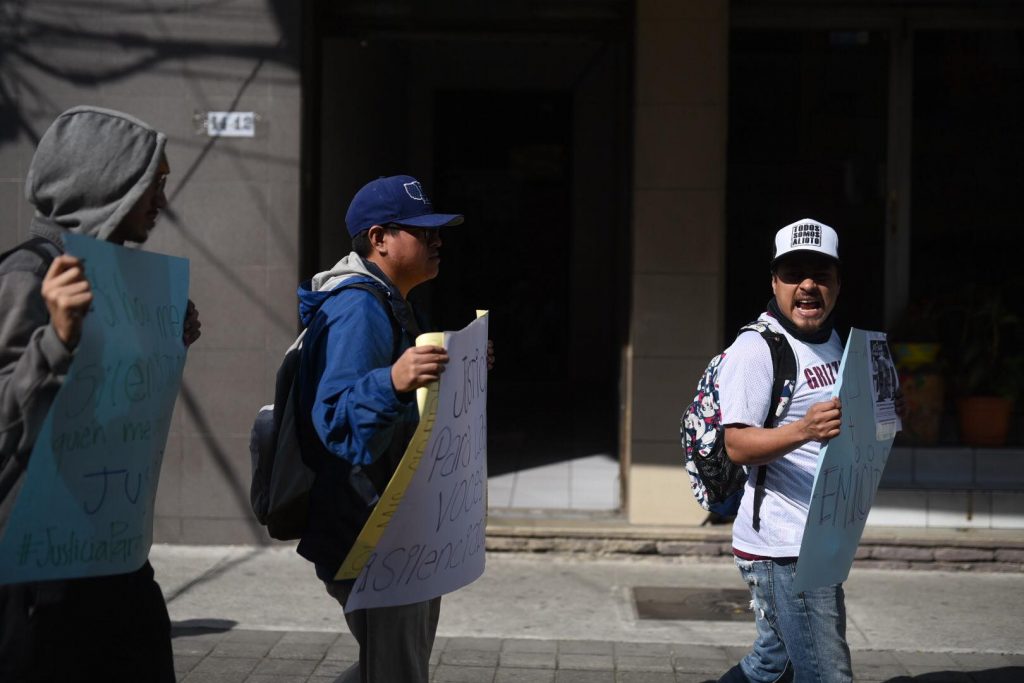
pixel 622 166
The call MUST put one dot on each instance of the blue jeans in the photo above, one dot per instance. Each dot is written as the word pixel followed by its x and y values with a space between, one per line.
pixel 800 636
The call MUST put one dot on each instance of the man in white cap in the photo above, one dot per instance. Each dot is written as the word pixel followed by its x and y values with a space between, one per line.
pixel 798 634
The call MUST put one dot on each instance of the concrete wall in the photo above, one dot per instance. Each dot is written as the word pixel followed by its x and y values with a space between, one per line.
pixel 234 203
pixel 678 241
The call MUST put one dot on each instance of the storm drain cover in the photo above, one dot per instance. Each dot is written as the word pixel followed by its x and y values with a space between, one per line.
pixel 695 604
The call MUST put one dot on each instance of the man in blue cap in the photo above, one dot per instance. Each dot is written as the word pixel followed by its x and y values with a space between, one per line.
pixel 358 376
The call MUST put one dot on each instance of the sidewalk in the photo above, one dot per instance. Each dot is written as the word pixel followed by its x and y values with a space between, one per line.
pixel 258 614
pixel 318 657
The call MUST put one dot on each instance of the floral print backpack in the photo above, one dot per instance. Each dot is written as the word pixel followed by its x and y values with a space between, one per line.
pixel 717 481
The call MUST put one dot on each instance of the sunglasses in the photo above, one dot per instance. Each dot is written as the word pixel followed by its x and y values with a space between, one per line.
pixel 793 275
pixel 425 235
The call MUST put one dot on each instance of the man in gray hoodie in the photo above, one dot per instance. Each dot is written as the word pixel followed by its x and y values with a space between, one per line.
pixel 99 173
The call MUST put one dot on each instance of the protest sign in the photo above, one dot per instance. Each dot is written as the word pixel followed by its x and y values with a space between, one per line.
pixel 86 505
pixel 426 535
pixel 850 465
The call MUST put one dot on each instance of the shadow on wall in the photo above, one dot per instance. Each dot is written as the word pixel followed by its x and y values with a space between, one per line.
pixel 95 44
pixel 53 50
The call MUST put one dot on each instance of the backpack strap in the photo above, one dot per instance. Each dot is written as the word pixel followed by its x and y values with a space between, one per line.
pixel 359 479
pixel 783 385
pixel 46 250
pixel 396 328
pixel 396 343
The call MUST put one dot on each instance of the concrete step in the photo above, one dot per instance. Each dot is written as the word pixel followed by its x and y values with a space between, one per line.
pixel 994 550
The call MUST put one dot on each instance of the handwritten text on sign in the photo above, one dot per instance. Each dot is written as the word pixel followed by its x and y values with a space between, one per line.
pixel 433 541
pixel 849 469
pixel 86 505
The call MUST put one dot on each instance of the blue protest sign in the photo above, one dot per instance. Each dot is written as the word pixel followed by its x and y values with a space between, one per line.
pixel 86 505
pixel 850 465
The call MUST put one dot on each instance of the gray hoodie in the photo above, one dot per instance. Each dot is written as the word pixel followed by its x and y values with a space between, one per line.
pixel 90 168
pixel 350 267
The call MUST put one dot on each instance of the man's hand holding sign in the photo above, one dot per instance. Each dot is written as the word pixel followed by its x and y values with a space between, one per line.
pixel 426 536
pixel 366 430
pixel 850 465
pixel 86 507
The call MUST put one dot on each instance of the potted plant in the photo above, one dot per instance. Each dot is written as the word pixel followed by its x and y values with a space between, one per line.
pixel 917 351
pixel 987 366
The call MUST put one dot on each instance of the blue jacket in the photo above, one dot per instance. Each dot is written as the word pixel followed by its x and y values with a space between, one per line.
pixel 349 412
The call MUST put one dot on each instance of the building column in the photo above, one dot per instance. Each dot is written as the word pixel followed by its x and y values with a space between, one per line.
pixel 678 293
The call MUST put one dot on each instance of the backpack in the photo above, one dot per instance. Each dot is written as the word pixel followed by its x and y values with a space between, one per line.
pixel 717 481
pixel 281 481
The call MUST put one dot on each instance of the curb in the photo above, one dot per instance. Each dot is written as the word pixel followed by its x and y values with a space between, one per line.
pixel 880 548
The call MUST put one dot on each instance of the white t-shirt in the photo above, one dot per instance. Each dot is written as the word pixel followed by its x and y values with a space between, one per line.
pixel 744 390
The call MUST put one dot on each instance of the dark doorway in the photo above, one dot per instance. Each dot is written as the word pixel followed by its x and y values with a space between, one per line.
pixel 512 175
pixel 807 139
pixel 515 117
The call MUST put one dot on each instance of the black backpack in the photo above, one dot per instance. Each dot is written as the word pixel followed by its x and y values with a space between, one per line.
pixel 281 481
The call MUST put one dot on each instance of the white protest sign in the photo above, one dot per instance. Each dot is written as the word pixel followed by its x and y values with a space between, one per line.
pixel 850 465
pixel 426 535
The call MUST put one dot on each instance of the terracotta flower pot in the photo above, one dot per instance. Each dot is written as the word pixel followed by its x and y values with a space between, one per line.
pixel 984 420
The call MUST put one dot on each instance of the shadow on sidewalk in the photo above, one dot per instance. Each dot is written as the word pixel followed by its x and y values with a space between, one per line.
pixel 1006 674
pixel 195 627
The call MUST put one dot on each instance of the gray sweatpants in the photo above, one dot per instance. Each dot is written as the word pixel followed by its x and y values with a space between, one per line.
pixel 394 642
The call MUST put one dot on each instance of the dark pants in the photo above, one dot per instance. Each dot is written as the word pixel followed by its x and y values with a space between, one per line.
pixel 394 642
pixel 109 628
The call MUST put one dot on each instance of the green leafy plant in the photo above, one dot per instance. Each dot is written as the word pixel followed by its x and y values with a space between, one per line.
pixel 989 358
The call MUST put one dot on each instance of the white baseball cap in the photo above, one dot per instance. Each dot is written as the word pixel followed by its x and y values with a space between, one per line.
pixel 806 235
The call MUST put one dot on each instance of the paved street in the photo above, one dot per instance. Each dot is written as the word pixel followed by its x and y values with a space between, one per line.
pixel 258 614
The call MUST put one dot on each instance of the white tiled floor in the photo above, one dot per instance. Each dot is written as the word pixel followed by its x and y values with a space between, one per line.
pixel 948 509
pixel 591 483
pixel 588 483
pixel 952 487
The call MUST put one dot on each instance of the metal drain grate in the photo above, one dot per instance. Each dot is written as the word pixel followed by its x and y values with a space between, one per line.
pixel 692 604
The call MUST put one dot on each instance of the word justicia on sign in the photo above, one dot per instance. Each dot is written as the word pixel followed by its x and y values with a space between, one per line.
pixel 474 384
pixel 59 548
pixel 806 234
